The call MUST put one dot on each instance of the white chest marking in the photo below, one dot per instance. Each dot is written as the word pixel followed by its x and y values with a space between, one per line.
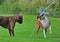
pixel 45 22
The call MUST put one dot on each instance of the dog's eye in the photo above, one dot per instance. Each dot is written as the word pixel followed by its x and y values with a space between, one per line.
pixel 20 18
pixel 41 15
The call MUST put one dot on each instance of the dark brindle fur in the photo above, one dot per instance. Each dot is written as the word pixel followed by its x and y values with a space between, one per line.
pixel 9 22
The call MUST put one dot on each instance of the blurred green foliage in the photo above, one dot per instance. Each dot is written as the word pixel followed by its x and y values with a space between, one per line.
pixel 1 1
pixel 27 6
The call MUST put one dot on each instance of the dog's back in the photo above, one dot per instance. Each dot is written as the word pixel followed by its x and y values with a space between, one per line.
pixel 5 21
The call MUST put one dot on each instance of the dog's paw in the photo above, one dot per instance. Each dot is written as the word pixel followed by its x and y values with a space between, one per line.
pixel 36 36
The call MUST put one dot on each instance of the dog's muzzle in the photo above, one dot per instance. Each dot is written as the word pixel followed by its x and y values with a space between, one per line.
pixel 20 21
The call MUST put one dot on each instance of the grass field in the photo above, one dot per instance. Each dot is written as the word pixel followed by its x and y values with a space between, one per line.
pixel 23 32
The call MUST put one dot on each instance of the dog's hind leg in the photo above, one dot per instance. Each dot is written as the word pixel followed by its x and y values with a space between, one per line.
pixel 46 30
pixel 50 29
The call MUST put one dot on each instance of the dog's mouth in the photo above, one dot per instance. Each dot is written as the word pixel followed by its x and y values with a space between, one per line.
pixel 20 21
pixel 42 18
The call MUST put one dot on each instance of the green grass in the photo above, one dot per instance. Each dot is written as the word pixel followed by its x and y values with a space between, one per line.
pixel 23 32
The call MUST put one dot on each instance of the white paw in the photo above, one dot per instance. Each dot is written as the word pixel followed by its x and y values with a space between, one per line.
pixel 36 35
pixel 44 36
pixel 50 32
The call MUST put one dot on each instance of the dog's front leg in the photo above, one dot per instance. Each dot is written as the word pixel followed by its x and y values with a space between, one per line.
pixel 13 32
pixel 12 29
pixel 10 32
pixel 37 28
pixel 44 33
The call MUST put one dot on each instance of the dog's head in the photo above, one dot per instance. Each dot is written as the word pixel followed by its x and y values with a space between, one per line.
pixel 19 18
pixel 41 16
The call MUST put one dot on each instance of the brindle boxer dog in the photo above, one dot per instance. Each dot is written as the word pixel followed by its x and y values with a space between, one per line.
pixel 39 24
pixel 9 22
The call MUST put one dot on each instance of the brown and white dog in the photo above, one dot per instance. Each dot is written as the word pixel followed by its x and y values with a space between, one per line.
pixel 9 22
pixel 43 22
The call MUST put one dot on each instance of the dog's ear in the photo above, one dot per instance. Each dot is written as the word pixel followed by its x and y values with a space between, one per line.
pixel 17 16
pixel 38 17
pixel 20 14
